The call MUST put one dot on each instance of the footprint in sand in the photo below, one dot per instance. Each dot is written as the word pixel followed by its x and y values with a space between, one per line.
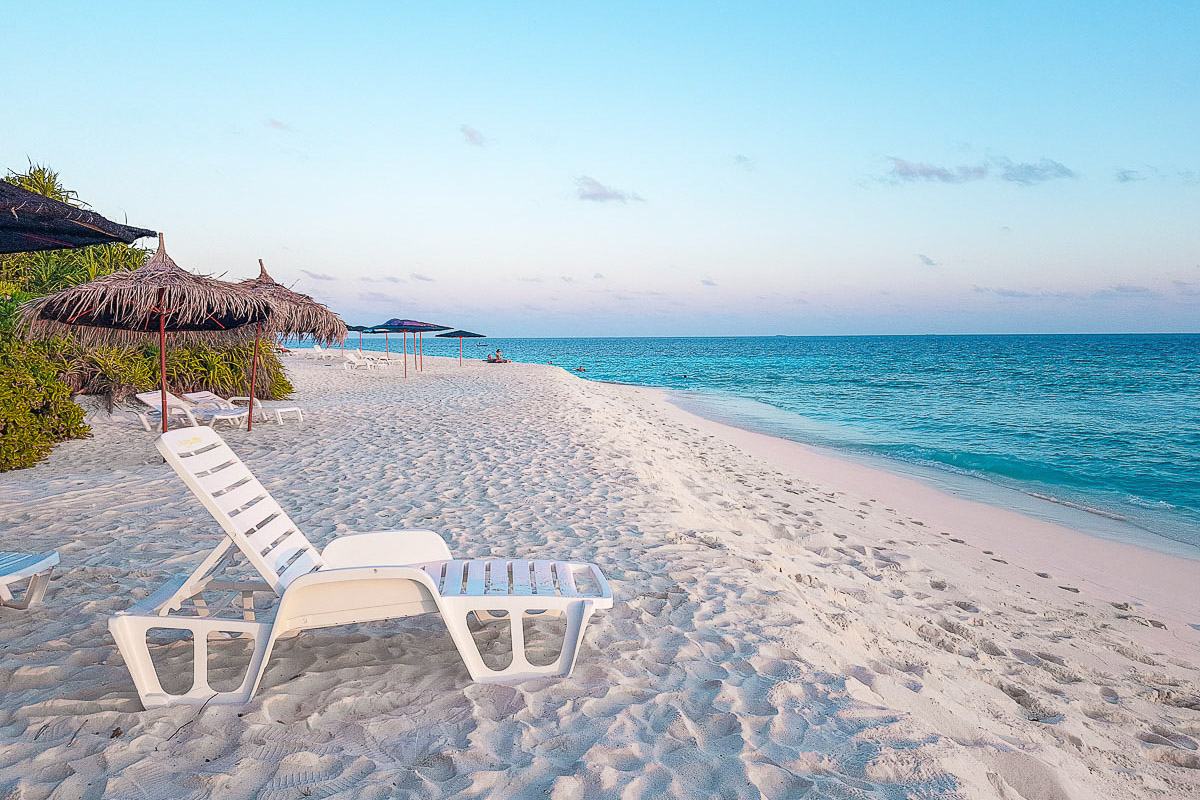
pixel 1042 574
pixel 1069 589
pixel 1109 694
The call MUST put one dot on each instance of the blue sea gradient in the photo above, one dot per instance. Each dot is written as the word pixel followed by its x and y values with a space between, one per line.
pixel 1107 426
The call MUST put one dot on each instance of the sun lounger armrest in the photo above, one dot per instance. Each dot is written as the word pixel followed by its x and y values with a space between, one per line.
pixel 151 602
pixel 377 548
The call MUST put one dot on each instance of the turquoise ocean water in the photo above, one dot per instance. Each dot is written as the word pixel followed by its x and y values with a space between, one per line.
pixel 1107 427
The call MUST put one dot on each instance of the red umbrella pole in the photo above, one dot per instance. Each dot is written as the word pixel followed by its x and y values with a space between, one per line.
pixel 387 345
pixel 253 375
pixel 162 355
pixel 406 354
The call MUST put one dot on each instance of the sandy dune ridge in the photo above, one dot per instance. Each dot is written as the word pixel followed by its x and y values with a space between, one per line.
pixel 780 630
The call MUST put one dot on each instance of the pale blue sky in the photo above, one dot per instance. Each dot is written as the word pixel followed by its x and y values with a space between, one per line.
pixel 629 168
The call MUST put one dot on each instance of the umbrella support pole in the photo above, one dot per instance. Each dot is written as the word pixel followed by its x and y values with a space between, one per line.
pixel 253 375
pixel 405 335
pixel 421 341
pixel 162 357
pixel 460 351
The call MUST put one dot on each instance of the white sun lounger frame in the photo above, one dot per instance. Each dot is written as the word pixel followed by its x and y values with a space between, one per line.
pixel 182 408
pixel 357 578
pixel 16 567
pixel 261 412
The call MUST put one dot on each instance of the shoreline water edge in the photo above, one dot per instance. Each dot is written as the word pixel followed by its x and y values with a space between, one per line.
pixel 1055 441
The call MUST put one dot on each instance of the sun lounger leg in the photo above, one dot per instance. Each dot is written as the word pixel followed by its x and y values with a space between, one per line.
pixel 130 632
pixel 455 610
pixel 34 592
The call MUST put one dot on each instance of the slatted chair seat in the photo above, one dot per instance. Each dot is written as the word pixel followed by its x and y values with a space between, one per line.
pixel 356 578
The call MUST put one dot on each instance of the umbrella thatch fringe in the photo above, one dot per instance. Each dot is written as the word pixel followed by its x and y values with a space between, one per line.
pixel 294 313
pixel 130 302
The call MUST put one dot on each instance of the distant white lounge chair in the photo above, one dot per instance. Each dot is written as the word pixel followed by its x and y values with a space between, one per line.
pixel 322 354
pixel 261 412
pixel 16 567
pixel 358 362
pixel 357 578
pixel 188 411
pixel 376 358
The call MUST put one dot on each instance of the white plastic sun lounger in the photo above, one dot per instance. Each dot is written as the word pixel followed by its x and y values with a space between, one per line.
pixel 189 411
pixel 358 362
pixel 357 578
pixel 261 412
pixel 16 567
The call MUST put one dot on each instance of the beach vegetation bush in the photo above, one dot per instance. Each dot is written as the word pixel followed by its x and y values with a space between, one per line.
pixel 38 380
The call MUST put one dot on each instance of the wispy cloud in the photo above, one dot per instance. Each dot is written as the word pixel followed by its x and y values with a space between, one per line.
pixel 1004 292
pixel 926 260
pixel 276 125
pixel 318 276
pixel 1026 173
pixel 382 278
pixel 1129 176
pixel 472 136
pixel 1127 289
pixel 530 280
pixel 591 189
pixel 707 282
pixel 1029 173
pixel 416 276
pixel 380 297
pixel 913 171
pixel 745 162
pixel 599 276
pixel 566 279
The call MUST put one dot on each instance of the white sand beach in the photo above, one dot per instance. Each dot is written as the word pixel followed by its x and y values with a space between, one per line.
pixel 787 624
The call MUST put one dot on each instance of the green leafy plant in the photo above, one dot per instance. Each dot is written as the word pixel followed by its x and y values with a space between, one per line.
pixel 35 406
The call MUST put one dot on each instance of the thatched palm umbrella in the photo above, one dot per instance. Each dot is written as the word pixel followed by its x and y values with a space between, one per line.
pixel 30 222
pixel 460 335
pixel 292 314
pixel 128 307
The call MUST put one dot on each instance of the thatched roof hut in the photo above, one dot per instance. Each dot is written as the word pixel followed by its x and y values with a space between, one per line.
pixel 294 313
pixel 125 307
pixel 30 222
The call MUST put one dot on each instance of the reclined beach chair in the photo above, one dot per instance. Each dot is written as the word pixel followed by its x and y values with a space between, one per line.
pixel 357 362
pixel 357 578
pixel 375 358
pixel 261 412
pixel 188 411
pixel 16 567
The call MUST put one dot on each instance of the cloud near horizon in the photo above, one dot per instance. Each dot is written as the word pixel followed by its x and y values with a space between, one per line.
pixel 276 125
pixel 926 260
pixel 416 276
pixel 318 276
pixel 591 189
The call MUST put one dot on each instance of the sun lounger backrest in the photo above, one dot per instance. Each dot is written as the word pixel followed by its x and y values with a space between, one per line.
pixel 208 398
pixel 265 534
pixel 154 400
